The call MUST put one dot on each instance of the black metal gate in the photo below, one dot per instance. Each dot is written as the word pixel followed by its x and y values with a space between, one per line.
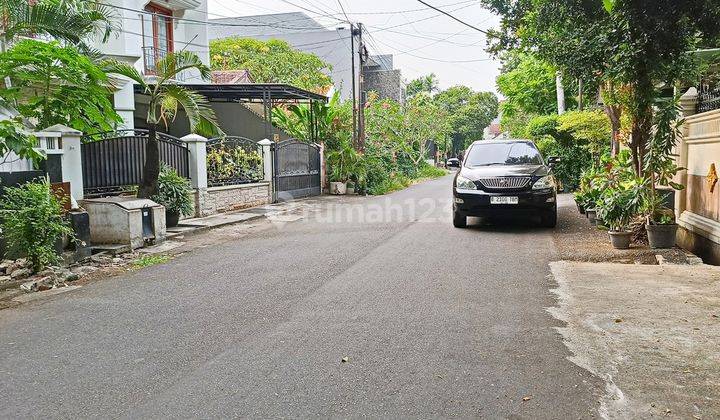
pixel 112 162
pixel 296 170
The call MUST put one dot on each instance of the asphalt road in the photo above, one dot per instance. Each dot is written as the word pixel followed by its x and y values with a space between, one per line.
pixel 434 322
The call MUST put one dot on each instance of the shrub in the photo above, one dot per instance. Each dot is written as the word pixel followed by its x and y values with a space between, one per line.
pixel 174 192
pixel 429 171
pixel 33 223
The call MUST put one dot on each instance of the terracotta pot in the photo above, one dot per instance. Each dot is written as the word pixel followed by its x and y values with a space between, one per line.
pixel 620 240
pixel 661 236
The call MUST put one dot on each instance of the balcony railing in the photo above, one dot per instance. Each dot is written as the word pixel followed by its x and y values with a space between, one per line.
pixel 151 56
pixel 708 98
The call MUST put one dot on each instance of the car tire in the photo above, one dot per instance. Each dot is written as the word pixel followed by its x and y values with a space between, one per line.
pixel 549 219
pixel 459 219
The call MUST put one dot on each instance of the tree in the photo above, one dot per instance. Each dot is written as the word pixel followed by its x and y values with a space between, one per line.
pixel 272 61
pixel 323 122
pixel 65 20
pixel 633 44
pixel 427 83
pixel 53 84
pixel 468 113
pixel 528 85
pixel 165 98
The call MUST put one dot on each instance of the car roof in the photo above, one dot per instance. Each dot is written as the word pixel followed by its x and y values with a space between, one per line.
pixel 502 141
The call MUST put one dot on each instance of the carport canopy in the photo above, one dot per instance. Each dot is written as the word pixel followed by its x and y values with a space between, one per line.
pixel 268 94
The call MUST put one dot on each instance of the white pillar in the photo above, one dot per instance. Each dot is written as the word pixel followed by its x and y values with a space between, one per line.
pixel 267 159
pixel 688 104
pixel 560 91
pixel 124 102
pixel 71 160
pixel 197 160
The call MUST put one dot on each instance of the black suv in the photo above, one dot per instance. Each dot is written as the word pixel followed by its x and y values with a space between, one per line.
pixel 504 177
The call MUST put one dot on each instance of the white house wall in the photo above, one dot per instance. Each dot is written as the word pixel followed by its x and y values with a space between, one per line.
pixel 126 46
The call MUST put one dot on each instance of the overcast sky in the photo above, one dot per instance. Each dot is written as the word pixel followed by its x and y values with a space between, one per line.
pixel 421 39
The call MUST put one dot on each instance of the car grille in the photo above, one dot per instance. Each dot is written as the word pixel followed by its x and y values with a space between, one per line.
pixel 505 182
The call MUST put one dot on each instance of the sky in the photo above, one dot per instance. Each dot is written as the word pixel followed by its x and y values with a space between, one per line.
pixel 421 39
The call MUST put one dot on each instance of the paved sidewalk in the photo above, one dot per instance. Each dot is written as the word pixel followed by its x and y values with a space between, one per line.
pixel 650 331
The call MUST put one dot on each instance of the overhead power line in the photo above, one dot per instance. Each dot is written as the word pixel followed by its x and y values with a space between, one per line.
pixel 453 17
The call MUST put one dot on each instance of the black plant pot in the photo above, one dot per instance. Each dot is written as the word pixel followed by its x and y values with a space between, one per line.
pixel 661 236
pixel 581 208
pixel 620 240
pixel 172 218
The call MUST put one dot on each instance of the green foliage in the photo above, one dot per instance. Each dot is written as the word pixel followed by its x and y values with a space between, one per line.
pixel 165 98
pixel 54 84
pixel 620 204
pixel 174 192
pixel 13 138
pixel 70 21
pixel 589 128
pixel 529 89
pixel 232 162
pixel 343 162
pixel 577 137
pixel 429 171
pixel 272 61
pixel 427 84
pixel 659 161
pixel 467 112
pixel 32 222
pixel 150 260
pixel 326 123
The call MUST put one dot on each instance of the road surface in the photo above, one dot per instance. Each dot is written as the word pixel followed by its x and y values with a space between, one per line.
pixel 431 321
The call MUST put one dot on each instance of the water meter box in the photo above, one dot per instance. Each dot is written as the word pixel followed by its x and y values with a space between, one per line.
pixel 125 221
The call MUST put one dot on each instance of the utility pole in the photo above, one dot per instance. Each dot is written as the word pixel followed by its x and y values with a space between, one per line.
pixel 354 99
pixel 580 95
pixel 560 93
pixel 361 110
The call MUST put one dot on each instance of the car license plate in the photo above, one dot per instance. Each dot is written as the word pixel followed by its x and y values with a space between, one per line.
pixel 503 200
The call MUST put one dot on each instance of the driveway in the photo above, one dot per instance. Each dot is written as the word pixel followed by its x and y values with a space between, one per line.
pixel 363 307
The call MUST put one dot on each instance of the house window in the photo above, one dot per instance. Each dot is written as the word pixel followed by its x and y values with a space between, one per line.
pixel 157 35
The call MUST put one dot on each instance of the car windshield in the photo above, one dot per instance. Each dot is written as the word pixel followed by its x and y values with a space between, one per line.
pixel 519 153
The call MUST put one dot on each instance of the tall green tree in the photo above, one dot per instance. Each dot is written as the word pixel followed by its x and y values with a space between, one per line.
pixel 272 61
pixel 638 44
pixel 166 98
pixel 468 113
pixel 427 83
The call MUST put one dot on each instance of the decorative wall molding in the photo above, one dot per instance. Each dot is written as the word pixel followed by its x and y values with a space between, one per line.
pixel 700 225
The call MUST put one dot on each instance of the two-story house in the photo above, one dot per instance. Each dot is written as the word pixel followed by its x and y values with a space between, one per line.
pixel 149 30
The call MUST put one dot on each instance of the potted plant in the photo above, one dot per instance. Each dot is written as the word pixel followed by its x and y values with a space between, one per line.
pixel 617 207
pixel 341 161
pixel 579 197
pixel 174 193
pixel 659 165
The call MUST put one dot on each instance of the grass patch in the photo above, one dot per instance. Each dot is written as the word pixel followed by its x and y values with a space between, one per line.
pixel 150 260
pixel 429 171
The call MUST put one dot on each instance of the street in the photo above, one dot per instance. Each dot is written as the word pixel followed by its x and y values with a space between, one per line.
pixel 381 314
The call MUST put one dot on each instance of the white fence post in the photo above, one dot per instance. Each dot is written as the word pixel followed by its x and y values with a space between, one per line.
pixel 71 159
pixel 267 159
pixel 197 160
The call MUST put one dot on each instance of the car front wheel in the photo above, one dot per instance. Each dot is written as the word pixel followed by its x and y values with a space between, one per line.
pixel 459 219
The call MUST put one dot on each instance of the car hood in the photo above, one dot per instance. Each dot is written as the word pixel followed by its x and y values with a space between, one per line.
pixel 504 170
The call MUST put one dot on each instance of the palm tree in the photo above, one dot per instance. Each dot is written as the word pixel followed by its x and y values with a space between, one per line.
pixel 165 98
pixel 70 21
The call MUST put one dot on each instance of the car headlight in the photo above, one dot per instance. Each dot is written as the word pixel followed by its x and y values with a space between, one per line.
pixel 462 183
pixel 544 183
